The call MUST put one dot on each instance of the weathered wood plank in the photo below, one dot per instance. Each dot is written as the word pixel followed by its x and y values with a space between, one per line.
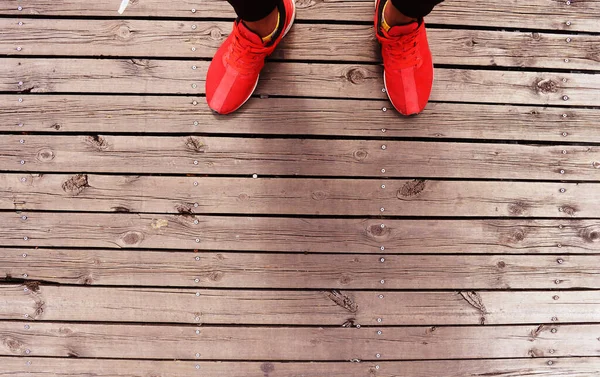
pixel 346 308
pixel 363 158
pixel 541 14
pixel 175 114
pixel 292 79
pixel 302 344
pixel 358 197
pixel 302 271
pixel 142 38
pixel 542 367
pixel 299 234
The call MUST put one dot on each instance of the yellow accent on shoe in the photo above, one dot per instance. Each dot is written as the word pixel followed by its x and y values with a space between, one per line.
pixel 384 23
pixel 270 36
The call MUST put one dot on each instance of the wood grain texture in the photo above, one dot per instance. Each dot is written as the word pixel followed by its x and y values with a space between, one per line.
pixel 281 196
pixel 302 344
pixel 175 114
pixel 315 308
pixel 303 271
pixel 299 234
pixel 543 367
pixel 540 14
pixel 145 39
pixel 146 76
pixel 296 157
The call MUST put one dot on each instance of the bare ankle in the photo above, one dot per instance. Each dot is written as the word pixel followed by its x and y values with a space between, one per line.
pixel 265 26
pixel 394 17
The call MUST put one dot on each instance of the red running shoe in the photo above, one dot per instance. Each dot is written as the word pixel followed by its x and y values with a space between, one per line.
pixel 233 73
pixel 407 64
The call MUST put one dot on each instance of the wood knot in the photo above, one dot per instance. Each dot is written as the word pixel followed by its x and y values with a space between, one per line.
pixel 56 126
pixel 518 208
pixel 342 300
pixel 132 238
pixel 590 235
pixel 65 331
pixel 536 36
pixel 501 264
pixel 517 235
pixel 45 155
pixel 123 32
pixel 411 188
pixel 243 197
pixel 216 34
pixel 355 75
pixel 195 145
pixel 76 184
pixel 267 368
pixel 121 209
pixel 545 86
pixel 184 209
pixel 304 4
pixel 12 344
pixel 216 276
pixel 376 230
pixel 33 286
pixel 471 42
pixel 97 142
pixel 345 279
pixel 360 155
pixel 319 195
pixel 569 210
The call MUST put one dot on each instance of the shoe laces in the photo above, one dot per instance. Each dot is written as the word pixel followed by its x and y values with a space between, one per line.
pixel 246 55
pixel 401 51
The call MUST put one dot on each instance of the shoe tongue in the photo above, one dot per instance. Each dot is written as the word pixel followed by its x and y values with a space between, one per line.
pixel 396 31
pixel 249 34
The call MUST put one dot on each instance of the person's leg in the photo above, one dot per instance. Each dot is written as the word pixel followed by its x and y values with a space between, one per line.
pixel 233 73
pixel 408 67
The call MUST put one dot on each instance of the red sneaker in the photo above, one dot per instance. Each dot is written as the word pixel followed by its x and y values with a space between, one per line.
pixel 407 64
pixel 233 73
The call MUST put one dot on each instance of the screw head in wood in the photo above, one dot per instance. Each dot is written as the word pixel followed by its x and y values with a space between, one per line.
pixel 550 351
pixel 197 366
pixel 550 362
pixel 560 261
pixel 568 2
pixel 194 103
pixel 22 141
pixel 382 226
pixel 562 171
pixel 20 23
pixel 382 186
pixel 382 90
pixel 197 331
pixel 379 320
pixel 25 238
pixel 564 151
pixel 379 332
pixel 194 86
pixel 26 327
pixel 382 281
pixel 198 294
pixel 28 362
pixel 23 217
pixel 384 147
pixel 254 176
pixel 19 8
pixel 382 260
pixel 20 124
pixel 25 276
pixel 20 83
pixel 565 98
pixel 195 162
pixel 23 179
pixel 25 290
pixel 376 366
pixel 22 162
pixel 382 248
pixel 568 23
pixel 195 183
pixel 358 326
pixel 197 240
pixel 24 255
pixel 378 356
pixel 381 296
pixel 383 130
pixel 553 331
pixel 384 109
pixel 20 99
pixel 559 245
pixel 195 205
pixel 193 10
pixel 19 48
pixel 383 170
pixel 194 27
pixel 26 315
pixel 197 319
pixel 555 298
pixel 568 40
pixel 382 209
pixel 196 123
pixel 28 351
pixel 554 319
pixel 562 190
pixel 197 258
pixel 566 61
pixel 556 281
pixel 196 280
pixel 565 134
pixel 196 222
pixel 197 355
pixel 193 48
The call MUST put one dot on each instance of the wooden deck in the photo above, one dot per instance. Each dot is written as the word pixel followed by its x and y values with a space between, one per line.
pixel 316 232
